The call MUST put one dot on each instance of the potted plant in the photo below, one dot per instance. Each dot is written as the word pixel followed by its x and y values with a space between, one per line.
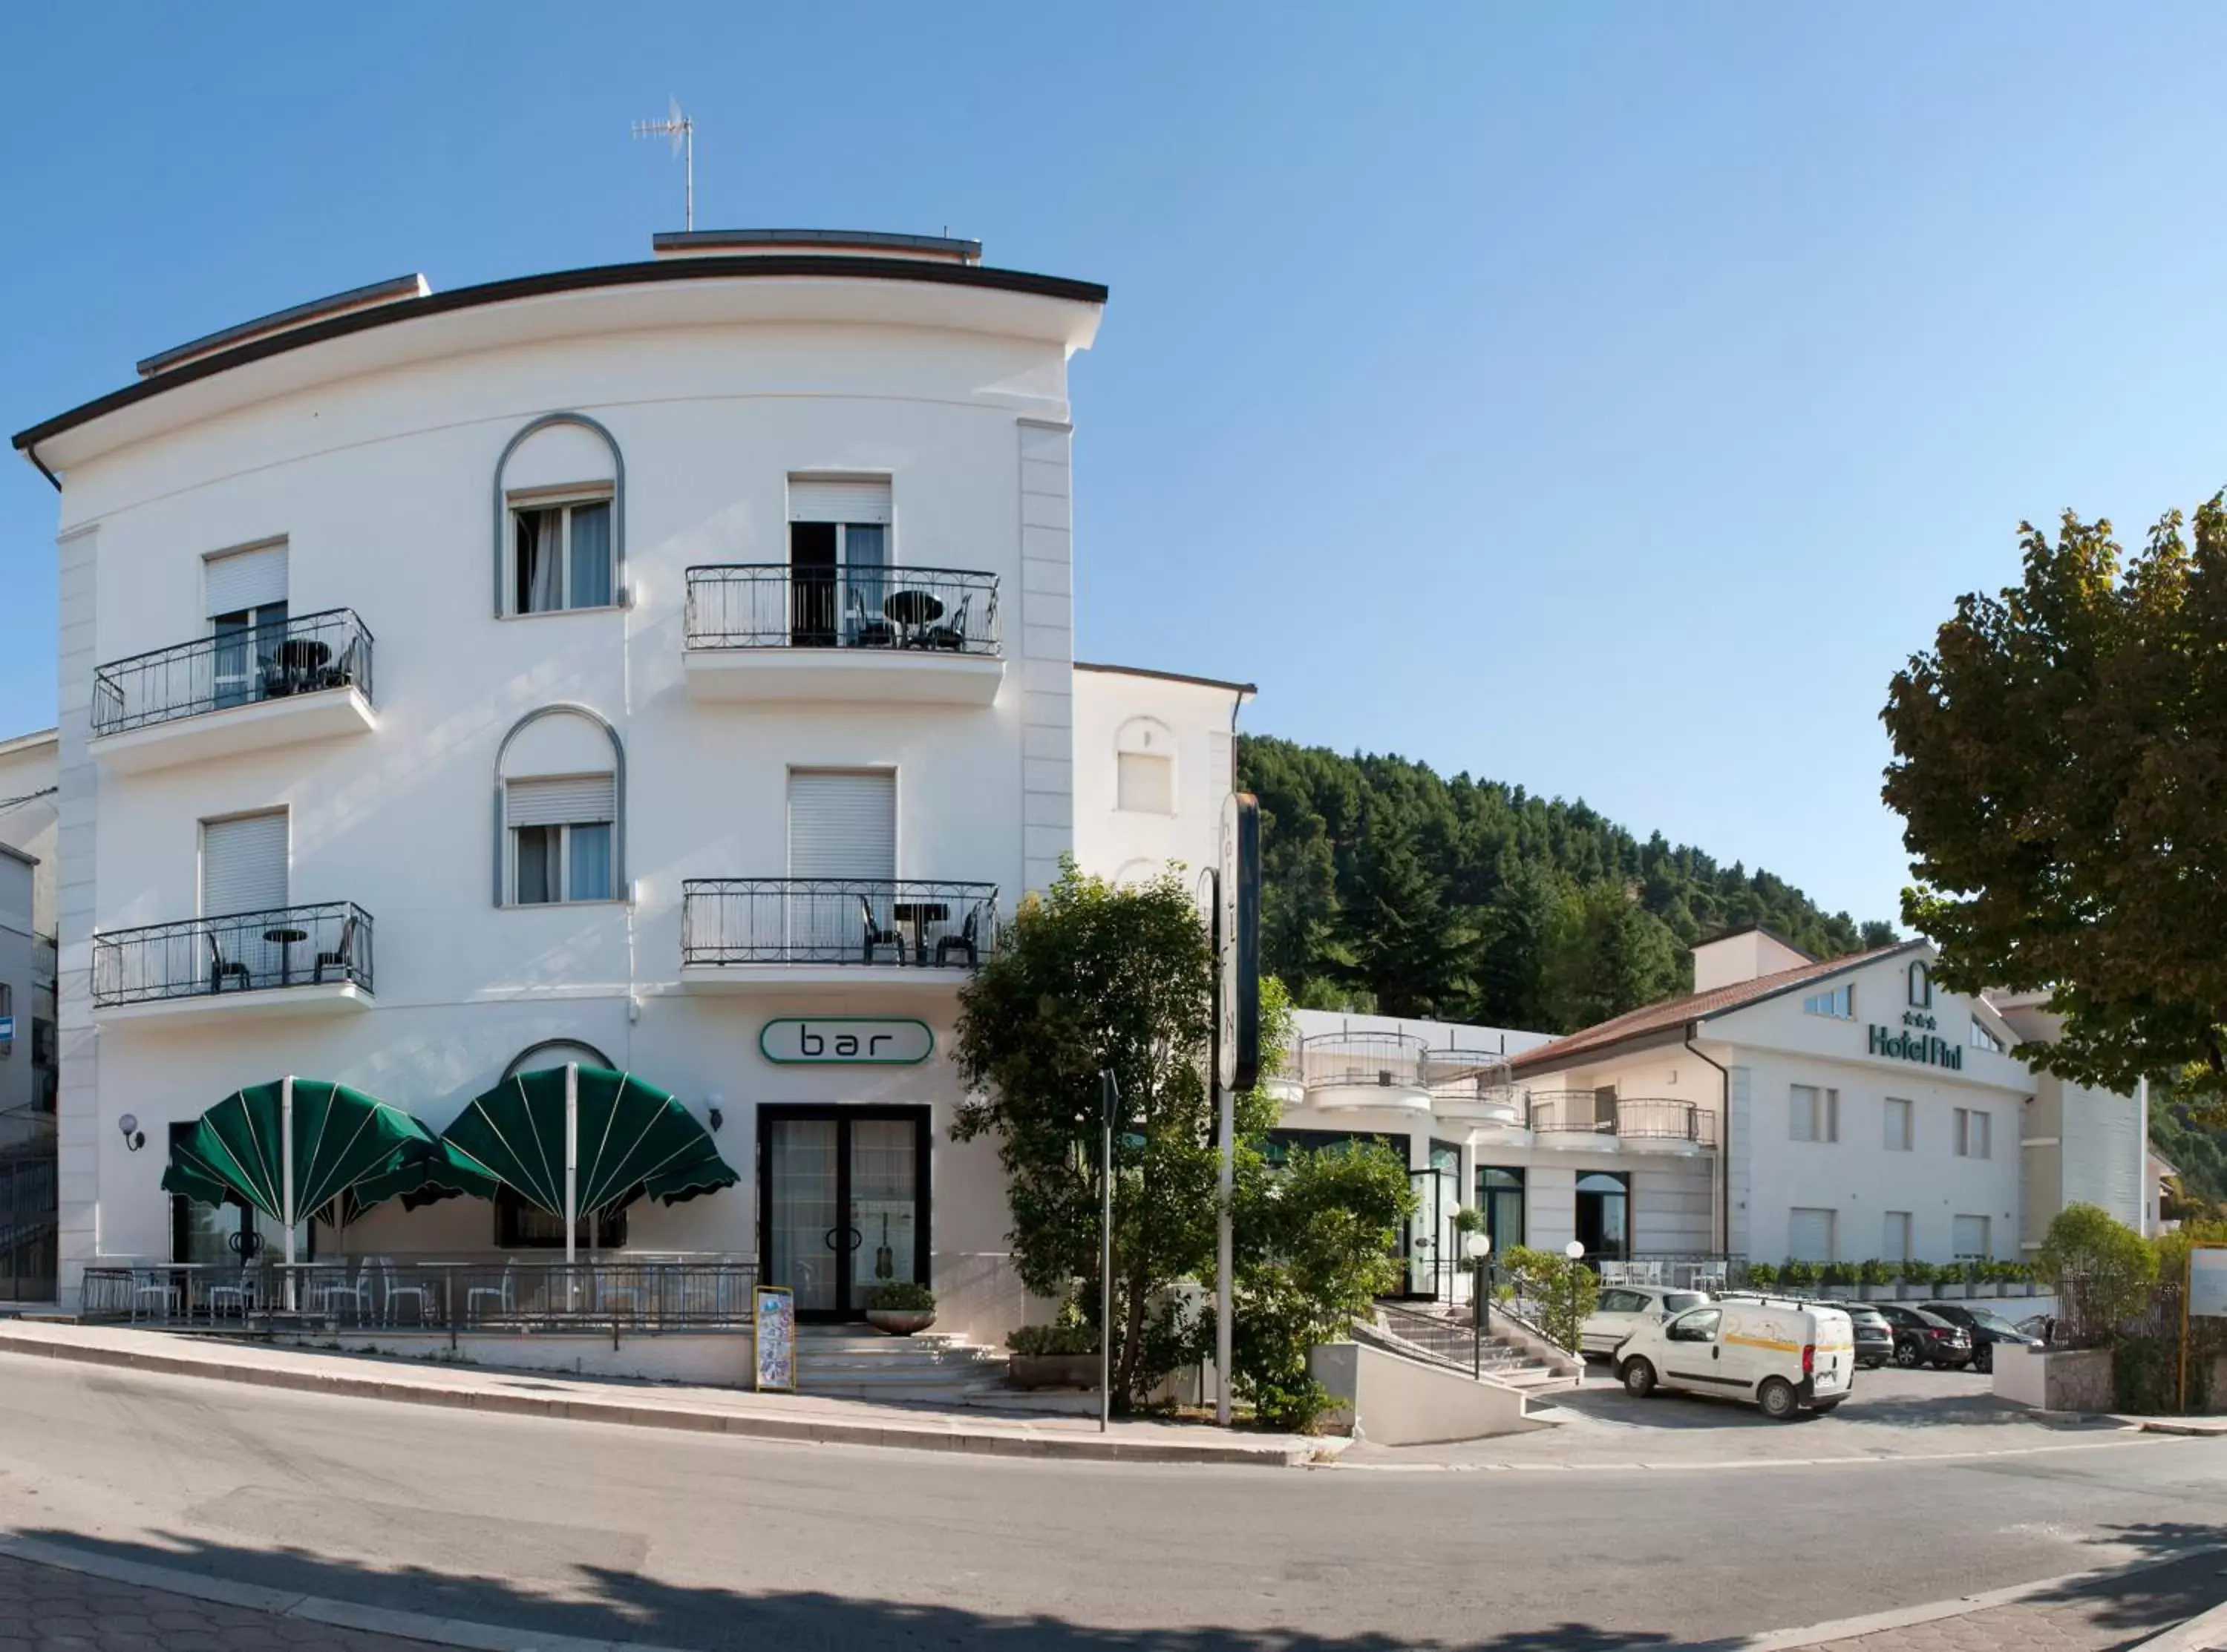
pixel 1798 1276
pixel 1915 1280
pixel 1948 1282
pixel 1761 1276
pixel 2018 1279
pixel 1838 1280
pixel 1981 1279
pixel 1063 1355
pixel 1878 1281
pixel 901 1307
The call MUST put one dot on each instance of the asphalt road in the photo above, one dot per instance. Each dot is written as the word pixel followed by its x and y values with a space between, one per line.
pixel 715 1542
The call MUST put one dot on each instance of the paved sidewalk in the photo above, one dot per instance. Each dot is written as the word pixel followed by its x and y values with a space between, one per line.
pixel 44 1607
pixel 730 1411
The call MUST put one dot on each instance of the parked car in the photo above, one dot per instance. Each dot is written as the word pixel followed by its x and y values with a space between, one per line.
pixel 2041 1327
pixel 1922 1338
pixel 1782 1355
pixel 1620 1308
pixel 1987 1329
pixel 1874 1337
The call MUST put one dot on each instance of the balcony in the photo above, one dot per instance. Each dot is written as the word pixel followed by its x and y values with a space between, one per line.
pixel 1601 1121
pixel 867 634
pixel 749 933
pixel 289 960
pixel 307 678
pixel 1376 1071
pixel 1474 1087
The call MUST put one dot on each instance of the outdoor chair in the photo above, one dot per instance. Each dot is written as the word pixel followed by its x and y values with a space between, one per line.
pixel 874 935
pixel 951 635
pixel 869 630
pixel 222 969
pixel 1615 1273
pixel 237 1293
pixel 341 959
pixel 391 1291
pixel 330 1290
pixel 1710 1276
pixel 967 941
pixel 615 1286
pixel 161 1286
pixel 503 1296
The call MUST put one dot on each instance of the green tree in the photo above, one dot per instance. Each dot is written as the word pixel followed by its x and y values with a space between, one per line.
pixel 1095 976
pixel 1606 954
pixel 1404 941
pixel 1560 1289
pixel 1516 929
pixel 2102 1271
pixel 2061 774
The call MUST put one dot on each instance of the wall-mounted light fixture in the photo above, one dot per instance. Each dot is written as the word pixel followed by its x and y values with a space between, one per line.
pixel 134 1137
pixel 714 1110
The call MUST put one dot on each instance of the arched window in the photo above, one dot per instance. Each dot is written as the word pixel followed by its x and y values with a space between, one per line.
pixel 1921 986
pixel 1144 754
pixel 559 518
pixel 560 809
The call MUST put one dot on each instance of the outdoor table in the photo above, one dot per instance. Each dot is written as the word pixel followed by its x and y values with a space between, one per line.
pixel 286 936
pixel 910 610
pixel 301 658
pixel 920 914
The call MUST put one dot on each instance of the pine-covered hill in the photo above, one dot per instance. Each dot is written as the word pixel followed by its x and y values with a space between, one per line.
pixel 1389 888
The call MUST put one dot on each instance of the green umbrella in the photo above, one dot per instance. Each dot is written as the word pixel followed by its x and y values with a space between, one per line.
pixel 630 1140
pixel 341 1142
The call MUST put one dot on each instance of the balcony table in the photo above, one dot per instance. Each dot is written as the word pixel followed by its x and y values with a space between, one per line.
pixel 920 914
pixel 912 612
pixel 286 936
pixel 302 659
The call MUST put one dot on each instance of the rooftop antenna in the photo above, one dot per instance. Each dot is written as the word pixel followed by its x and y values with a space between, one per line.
pixel 682 131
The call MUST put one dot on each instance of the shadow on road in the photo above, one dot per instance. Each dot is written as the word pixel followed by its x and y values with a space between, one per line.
pixel 1949 1409
pixel 623 1606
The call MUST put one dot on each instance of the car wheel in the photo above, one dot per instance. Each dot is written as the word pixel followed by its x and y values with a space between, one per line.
pixel 1638 1378
pixel 1779 1399
pixel 1984 1361
pixel 1907 1356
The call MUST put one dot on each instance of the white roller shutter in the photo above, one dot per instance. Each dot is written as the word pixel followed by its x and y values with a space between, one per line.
pixel 842 825
pixel 568 799
pixel 245 579
pixel 1969 1237
pixel 1809 1235
pixel 244 865
pixel 838 500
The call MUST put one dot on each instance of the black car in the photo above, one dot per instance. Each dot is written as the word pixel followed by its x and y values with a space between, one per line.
pixel 1986 1327
pixel 1924 1338
pixel 1874 1337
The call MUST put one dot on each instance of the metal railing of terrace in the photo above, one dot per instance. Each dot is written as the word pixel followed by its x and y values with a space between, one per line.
pixel 1358 1060
pixel 285 658
pixel 1633 1117
pixel 914 922
pixel 773 605
pixel 609 1295
pixel 322 945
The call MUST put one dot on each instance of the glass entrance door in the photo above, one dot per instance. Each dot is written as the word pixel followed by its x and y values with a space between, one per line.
pixel 843 1203
pixel 1428 1230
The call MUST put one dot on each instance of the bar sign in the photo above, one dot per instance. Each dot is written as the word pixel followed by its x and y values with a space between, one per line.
pixel 846 1040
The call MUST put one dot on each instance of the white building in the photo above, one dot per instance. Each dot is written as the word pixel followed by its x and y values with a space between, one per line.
pixel 650 666
pixel 28 1073
pixel 1833 1110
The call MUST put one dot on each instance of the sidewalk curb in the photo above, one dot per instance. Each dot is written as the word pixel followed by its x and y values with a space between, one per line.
pixel 311 1608
pixel 1846 1628
pixel 2199 1634
pixel 804 1431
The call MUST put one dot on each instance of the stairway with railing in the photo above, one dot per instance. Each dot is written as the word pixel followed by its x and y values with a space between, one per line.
pixel 1513 1353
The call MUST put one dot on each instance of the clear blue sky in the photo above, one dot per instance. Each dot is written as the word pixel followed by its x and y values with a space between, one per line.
pixel 1601 399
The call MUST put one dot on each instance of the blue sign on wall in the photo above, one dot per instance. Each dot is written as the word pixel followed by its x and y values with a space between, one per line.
pixel 7 1028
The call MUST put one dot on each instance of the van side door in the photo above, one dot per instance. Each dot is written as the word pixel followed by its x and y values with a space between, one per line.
pixel 1692 1354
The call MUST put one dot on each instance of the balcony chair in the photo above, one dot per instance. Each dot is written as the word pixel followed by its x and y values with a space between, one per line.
pixel 237 1293
pixel 874 935
pixel 222 970
pixel 967 941
pixel 869 630
pixel 340 673
pixel 950 634
pixel 341 959
pixel 328 1292
pixel 157 1284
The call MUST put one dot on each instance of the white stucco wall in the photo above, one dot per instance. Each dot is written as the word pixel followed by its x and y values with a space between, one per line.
pixel 375 458
pixel 1148 712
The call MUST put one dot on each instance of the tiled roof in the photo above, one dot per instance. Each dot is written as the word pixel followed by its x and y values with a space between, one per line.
pixel 1672 1013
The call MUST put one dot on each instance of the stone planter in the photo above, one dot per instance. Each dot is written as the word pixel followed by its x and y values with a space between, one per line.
pixel 901 1322
pixel 1052 1370
pixel 1986 1288
pixel 1906 1292
pixel 1948 1292
pixel 2055 1379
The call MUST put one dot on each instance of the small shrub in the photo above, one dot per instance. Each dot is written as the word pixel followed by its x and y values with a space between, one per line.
pixel 1873 1273
pixel 1562 1291
pixel 2102 1270
pixel 1053 1339
pixel 1918 1273
pixel 900 1296
pixel 1796 1276
pixel 2145 1376
pixel 1762 1275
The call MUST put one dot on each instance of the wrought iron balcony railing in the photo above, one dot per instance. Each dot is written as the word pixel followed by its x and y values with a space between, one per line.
pixel 773 605
pixel 295 656
pixel 917 924
pixel 242 951
pixel 1602 1112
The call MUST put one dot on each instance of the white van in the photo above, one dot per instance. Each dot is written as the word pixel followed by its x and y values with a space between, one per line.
pixel 1779 1354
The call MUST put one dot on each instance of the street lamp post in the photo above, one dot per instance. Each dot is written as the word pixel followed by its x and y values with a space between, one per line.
pixel 1109 1103
pixel 1479 1249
